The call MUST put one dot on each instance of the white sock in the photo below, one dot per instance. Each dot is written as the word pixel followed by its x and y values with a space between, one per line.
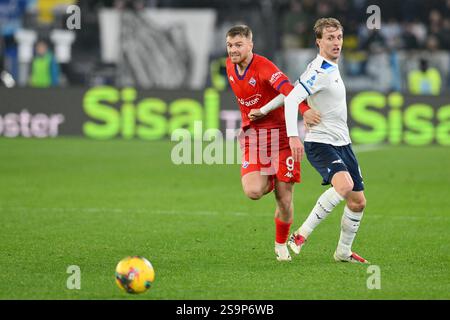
pixel 326 203
pixel 349 227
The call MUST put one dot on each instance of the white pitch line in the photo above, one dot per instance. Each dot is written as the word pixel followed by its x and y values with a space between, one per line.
pixel 424 217
pixel 201 213
pixel 117 210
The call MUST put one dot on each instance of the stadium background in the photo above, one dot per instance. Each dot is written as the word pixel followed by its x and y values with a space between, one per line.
pixel 85 145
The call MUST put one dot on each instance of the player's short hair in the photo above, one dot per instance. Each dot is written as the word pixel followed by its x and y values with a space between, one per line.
pixel 240 30
pixel 323 23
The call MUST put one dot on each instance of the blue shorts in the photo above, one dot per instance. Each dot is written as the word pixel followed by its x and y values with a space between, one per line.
pixel 328 159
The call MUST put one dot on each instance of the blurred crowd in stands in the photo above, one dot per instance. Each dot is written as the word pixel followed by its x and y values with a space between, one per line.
pixel 409 53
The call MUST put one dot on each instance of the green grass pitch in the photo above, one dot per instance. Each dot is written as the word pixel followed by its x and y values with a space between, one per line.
pixel 72 201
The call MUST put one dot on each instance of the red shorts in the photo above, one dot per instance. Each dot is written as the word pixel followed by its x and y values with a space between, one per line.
pixel 273 161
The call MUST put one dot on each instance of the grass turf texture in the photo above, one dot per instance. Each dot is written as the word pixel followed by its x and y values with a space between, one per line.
pixel 71 201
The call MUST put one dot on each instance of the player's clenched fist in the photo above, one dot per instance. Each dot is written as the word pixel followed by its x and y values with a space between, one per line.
pixel 296 148
pixel 255 114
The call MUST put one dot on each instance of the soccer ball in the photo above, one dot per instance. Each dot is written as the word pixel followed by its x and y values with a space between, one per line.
pixel 134 274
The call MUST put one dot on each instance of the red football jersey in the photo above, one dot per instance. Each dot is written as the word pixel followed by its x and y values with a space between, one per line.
pixel 261 82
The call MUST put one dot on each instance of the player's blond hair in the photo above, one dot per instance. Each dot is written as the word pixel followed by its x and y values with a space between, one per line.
pixel 323 23
pixel 240 30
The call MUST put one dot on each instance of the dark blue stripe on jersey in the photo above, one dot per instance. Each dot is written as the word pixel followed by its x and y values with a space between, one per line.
pixel 282 82
pixel 325 65
pixel 304 87
pixel 246 69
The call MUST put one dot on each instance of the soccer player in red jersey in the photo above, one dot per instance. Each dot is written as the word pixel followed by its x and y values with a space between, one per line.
pixel 267 162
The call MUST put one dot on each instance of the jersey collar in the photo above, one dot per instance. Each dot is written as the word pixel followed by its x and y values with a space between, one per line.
pixel 332 63
pixel 246 69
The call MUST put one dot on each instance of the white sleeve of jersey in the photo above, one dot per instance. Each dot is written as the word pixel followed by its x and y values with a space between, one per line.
pixel 314 80
pixel 297 95
pixel 273 104
pixel 310 82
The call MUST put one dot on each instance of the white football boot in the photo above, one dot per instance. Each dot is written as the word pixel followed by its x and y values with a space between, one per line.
pixel 353 258
pixel 296 242
pixel 282 252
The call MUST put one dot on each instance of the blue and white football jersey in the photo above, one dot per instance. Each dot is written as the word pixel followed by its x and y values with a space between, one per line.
pixel 321 84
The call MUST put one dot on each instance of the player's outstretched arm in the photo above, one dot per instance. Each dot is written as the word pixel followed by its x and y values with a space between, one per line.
pixel 279 82
pixel 273 104
pixel 310 116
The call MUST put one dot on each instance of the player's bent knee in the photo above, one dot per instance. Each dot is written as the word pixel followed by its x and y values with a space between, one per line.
pixel 357 206
pixel 344 189
pixel 254 194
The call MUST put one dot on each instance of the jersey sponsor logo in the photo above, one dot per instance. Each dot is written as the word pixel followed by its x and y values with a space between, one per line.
pixel 245 164
pixel 250 101
pixel 275 77
pixel 252 82
pixel 337 161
